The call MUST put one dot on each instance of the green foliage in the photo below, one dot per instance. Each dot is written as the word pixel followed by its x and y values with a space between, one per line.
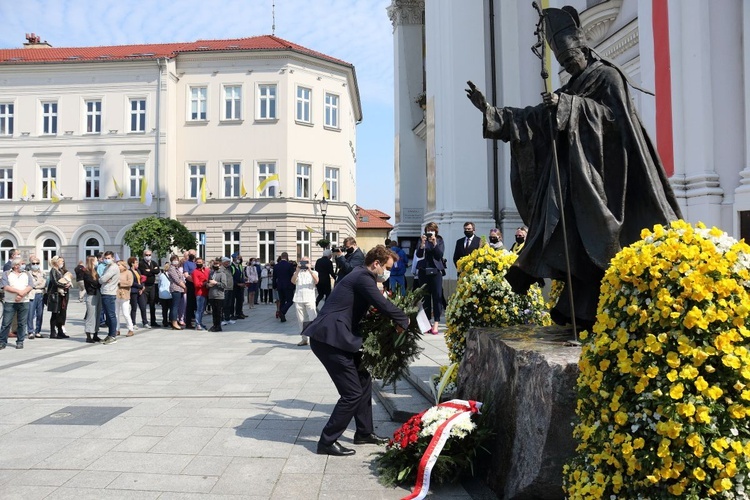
pixel 323 243
pixel 387 355
pixel 159 234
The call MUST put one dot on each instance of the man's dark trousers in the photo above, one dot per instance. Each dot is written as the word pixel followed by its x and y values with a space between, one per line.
pixel 151 292
pixel 239 298
pixel 228 305
pixel 355 388
pixel 191 303
pixel 286 298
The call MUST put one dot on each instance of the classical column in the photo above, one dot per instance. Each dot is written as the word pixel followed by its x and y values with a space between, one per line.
pixel 407 17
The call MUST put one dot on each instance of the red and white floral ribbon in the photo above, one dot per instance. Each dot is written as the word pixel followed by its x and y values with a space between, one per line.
pixel 443 432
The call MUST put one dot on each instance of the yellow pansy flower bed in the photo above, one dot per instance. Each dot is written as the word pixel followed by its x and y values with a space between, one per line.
pixel 664 383
pixel 484 298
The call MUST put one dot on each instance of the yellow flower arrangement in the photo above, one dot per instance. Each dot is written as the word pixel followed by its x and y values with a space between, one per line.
pixel 484 298
pixel 663 402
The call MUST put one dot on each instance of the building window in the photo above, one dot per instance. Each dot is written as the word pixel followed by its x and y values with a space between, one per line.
pixel 266 102
pixel 332 111
pixel 303 244
pixel 303 180
pixel 232 102
pixel 138 115
pixel 6 118
pixel 92 180
pixel 49 250
pixel 196 174
pixel 303 105
pixel 49 117
pixel 92 246
pixel 332 179
pixel 267 246
pixel 231 242
pixel 231 180
pixel 49 174
pixel 200 244
pixel 198 103
pixel 5 248
pixel 266 170
pixel 6 184
pixel 136 172
pixel 94 117
pixel 333 237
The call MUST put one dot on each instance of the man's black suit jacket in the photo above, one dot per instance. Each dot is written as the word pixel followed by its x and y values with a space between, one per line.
pixel 460 251
pixel 345 263
pixel 282 275
pixel 337 323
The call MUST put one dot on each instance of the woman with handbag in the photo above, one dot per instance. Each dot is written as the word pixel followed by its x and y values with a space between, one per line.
pixel 165 296
pixel 430 272
pixel 93 300
pixel 177 289
pixel 57 297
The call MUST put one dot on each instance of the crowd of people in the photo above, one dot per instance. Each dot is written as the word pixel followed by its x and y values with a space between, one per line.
pixel 122 296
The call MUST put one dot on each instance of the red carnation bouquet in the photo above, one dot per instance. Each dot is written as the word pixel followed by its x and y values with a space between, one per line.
pixel 439 445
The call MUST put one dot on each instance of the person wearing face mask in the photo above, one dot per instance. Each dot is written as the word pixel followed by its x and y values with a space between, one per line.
pixel 218 282
pixel 304 278
pixel 149 270
pixel 36 298
pixel 16 284
pixel 109 279
pixel 467 244
pixel 429 269
pixel 176 289
pixel 495 240
pixel 282 283
pixel 352 257
pixel 336 339
pixel 122 303
pixel 238 288
pixel 200 282
pixel 188 266
pixel 57 297
pixel 251 280
pixel 520 240
pixel 266 284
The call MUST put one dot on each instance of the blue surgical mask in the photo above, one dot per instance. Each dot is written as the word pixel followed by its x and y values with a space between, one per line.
pixel 34 267
pixel 107 261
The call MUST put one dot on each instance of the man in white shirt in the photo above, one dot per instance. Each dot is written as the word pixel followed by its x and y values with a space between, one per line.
pixel 305 278
pixel 17 285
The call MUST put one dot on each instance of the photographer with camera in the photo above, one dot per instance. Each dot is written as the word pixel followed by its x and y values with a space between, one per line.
pixel 304 296
pixel 348 257
pixel 430 272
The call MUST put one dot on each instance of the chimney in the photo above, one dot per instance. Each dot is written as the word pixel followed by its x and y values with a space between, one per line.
pixel 34 42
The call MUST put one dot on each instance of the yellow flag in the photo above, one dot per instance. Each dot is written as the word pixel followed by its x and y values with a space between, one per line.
pixel 202 194
pixel 25 192
pixel 54 195
pixel 120 194
pixel 326 194
pixel 309 229
pixel 146 196
pixel 243 191
pixel 271 181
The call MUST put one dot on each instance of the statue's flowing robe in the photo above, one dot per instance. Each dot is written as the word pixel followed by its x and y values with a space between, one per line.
pixel 613 182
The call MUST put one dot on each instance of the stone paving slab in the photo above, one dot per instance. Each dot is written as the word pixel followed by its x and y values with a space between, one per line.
pixel 230 415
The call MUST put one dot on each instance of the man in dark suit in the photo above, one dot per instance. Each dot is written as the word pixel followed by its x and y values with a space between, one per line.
pixel 353 257
pixel 324 268
pixel 335 339
pixel 282 282
pixel 467 244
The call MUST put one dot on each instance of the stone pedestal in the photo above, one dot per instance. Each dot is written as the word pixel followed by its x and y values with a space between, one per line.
pixel 527 376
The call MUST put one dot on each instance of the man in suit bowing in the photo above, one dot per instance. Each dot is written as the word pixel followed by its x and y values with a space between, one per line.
pixel 467 244
pixel 335 338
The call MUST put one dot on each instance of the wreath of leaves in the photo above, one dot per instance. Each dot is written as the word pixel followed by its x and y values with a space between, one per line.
pixel 387 354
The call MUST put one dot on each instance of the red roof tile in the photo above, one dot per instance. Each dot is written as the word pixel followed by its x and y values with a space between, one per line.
pixel 372 219
pixel 154 51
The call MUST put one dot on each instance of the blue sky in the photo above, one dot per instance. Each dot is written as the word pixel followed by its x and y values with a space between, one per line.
pixel 357 31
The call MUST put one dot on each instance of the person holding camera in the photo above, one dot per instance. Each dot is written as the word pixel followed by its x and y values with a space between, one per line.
pixel 348 257
pixel 304 296
pixel 430 271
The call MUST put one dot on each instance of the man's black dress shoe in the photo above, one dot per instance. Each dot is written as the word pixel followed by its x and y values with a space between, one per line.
pixel 335 450
pixel 369 439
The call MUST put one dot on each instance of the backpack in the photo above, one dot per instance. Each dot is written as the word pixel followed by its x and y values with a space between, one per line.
pixel 164 292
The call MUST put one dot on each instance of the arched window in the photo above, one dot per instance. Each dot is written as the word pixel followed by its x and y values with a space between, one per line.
pixel 5 247
pixel 92 246
pixel 49 250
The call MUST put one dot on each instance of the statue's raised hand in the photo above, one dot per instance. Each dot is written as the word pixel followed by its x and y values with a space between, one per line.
pixel 476 97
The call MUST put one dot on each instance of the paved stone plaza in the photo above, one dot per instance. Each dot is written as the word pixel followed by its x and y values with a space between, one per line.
pixel 180 415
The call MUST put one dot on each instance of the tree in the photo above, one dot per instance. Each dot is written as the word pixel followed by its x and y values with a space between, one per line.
pixel 159 234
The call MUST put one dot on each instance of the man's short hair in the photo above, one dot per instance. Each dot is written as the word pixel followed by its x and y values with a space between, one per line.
pixel 469 222
pixel 109 253
pixel 15 262
pixel 349 240
pixel 284 256
pixel 381 254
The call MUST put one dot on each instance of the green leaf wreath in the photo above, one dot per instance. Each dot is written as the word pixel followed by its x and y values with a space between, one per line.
pixel 387 354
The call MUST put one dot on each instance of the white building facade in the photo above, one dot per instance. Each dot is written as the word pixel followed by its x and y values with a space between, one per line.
pixel 694 54
pixel 110 124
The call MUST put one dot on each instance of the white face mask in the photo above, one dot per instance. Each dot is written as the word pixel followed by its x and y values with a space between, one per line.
pixel 147 258
pixel 382 278
pixel 175 263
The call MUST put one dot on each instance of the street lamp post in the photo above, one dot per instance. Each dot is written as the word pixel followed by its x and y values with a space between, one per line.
pixel 323 210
